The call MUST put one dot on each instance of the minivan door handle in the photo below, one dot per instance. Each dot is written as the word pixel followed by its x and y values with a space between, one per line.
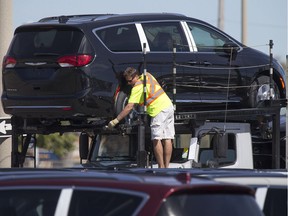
pixel 206 63
pixel 193 63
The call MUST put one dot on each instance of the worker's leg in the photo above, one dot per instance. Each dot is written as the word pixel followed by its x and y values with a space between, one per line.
pixel 167 151
pixel 162 127
pixel 158 152
pixel 168 136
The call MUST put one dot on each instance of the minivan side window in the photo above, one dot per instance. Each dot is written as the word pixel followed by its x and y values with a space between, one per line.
pixel 122 38
pixel 207 39
pixel 160 36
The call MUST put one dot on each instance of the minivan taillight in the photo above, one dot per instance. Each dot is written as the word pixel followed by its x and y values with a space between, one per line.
pixel 9 62
pixel 74 60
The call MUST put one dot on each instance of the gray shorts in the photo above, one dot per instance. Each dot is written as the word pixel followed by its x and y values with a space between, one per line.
pixel 162 125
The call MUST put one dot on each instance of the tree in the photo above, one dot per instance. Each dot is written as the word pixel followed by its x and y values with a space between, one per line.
pixel 60 145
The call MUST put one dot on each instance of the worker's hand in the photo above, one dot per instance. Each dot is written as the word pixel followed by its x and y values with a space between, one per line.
pixel 113 123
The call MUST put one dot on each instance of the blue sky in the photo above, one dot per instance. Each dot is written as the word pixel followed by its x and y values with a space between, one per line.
pixel 266 19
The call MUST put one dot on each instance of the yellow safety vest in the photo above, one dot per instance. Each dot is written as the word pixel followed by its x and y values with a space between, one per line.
pixel 156 98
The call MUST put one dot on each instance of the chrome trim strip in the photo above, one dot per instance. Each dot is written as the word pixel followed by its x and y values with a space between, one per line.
pixel 37 107
pixel 191 42
pixel 35 63
pixel 142 37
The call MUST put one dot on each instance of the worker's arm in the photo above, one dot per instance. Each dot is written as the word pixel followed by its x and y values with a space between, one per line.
pixel 127 109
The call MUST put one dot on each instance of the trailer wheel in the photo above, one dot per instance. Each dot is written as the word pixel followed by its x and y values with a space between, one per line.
pixel 260 90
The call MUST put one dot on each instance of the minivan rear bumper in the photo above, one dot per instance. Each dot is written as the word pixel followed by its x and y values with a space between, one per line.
pixel 64 108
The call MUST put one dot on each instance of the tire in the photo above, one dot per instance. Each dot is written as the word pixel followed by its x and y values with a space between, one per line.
pixel 120 103
pixel 260 91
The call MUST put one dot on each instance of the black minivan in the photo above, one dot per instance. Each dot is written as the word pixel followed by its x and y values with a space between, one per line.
pixel 69 67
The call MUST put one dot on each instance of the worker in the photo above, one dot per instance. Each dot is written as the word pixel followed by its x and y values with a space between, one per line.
pixel 159 108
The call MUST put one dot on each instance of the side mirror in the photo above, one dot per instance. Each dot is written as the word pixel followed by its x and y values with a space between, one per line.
pixel 231 49
pixel 83 146
pixel 220 145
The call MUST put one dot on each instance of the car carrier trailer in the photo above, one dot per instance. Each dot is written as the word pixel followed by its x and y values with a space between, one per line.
pixel 185 122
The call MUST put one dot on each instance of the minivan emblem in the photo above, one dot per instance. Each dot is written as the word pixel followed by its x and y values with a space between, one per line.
pixel 35 63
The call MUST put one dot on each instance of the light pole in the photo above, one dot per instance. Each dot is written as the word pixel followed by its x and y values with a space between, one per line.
pixel 221 14
pixel 244 22
pixel 6 32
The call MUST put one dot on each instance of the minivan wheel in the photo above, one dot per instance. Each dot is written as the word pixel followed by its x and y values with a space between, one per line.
pixel 260 91
pixel 121 102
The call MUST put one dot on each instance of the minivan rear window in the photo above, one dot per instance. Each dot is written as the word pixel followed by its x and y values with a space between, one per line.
pixel 29 43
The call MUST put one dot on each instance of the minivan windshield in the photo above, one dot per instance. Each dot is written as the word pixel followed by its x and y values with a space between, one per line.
pixel 47 41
